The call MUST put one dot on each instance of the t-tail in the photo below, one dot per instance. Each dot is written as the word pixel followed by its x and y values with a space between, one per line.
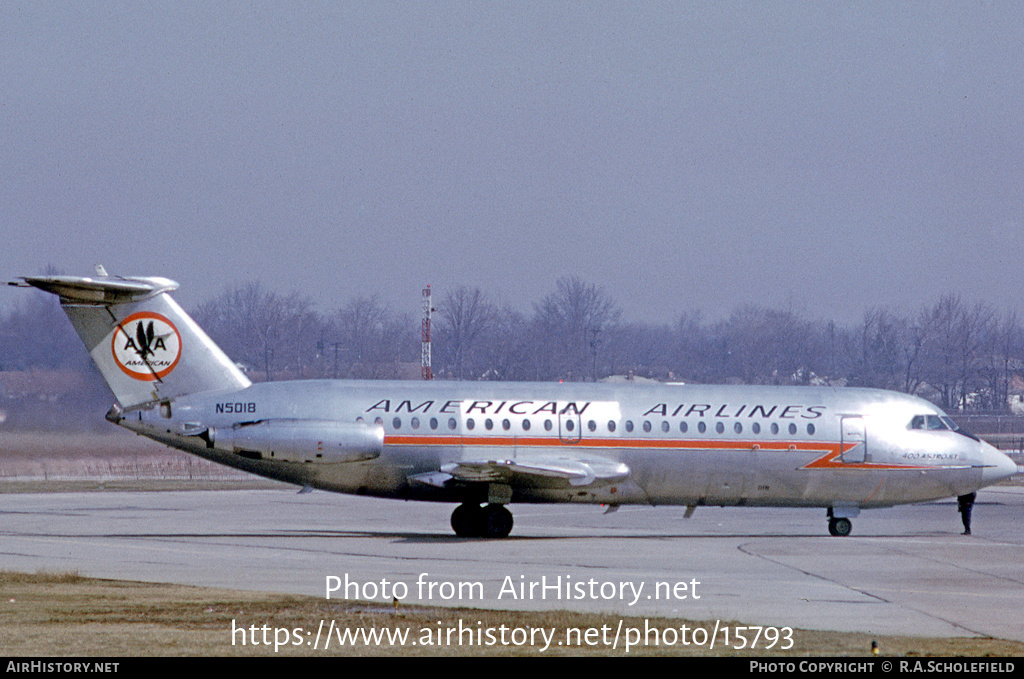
pixel 145 345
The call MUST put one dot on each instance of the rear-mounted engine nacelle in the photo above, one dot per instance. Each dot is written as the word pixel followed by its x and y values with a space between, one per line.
pixel 305 441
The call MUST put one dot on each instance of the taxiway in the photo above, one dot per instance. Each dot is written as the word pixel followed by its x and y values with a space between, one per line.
pixel 905 570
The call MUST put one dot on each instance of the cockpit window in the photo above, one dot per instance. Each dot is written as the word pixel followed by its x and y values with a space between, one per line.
pixel 938 423
pixel 931 423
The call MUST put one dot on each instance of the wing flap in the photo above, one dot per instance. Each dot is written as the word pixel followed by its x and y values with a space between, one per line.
pixel 539 471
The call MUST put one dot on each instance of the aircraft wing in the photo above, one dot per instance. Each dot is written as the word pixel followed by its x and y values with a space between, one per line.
pixel 535 471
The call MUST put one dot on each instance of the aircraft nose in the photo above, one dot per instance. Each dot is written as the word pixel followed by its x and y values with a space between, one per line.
pixel 998 466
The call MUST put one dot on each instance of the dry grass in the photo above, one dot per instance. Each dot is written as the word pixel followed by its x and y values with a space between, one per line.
pixel 64 614
pixel 59 463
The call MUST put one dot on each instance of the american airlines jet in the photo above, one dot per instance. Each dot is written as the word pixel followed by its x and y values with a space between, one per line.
pixel 485 445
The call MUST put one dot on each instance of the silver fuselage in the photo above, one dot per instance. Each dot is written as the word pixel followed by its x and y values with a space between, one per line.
pixel 492 444
pixel 679 444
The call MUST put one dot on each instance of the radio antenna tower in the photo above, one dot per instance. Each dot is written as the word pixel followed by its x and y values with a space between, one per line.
pixel 425 353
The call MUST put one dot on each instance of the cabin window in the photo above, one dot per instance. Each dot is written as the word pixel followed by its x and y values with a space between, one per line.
pixel 720 428
pixel 756 427
pixel 792 429
pixel 452 424
pixel 415 423
pixel 397 423
pixel 592 426
pixel 775 428
pixel 810 429
pixel 470 423
pixel 738 428
pixel 683 427
pixel 611 425
pixel 570 425
pixel 647 425
pixel 433 423
pixel 629 425
pixel 547 425
pixel 526 425
pixel 488 424
pixel 665 426
pixel 702 427
pixel 506 425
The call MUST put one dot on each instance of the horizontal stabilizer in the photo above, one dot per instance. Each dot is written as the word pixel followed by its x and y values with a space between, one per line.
pixel 102 291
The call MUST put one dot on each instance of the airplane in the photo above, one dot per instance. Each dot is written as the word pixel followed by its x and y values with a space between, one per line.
pixel 486 445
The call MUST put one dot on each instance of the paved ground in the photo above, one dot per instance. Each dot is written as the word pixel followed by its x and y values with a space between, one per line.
pixel 903 571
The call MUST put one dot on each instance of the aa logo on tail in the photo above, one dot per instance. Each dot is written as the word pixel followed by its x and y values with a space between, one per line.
pixel 146 346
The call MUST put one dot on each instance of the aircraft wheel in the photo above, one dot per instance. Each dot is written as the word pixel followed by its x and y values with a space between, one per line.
pixel 468 520
pixel 840 527
pixel 497 521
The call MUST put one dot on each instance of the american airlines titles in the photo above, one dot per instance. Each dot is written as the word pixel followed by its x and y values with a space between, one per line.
pixel 467 407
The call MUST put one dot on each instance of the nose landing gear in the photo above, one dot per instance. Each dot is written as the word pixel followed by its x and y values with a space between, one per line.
pixel 840 525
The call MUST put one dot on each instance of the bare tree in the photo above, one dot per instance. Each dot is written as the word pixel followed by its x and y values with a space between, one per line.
pixel 571 323
pixel 373 342
pixel 273 334
pixel 467 318
pixel 882 350
pixel 954 339
pixel 36 333
pixel 765 346
pixel 509 352
pixel 1005 357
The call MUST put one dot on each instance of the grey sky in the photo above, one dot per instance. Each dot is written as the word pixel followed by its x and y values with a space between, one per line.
pixel 824 157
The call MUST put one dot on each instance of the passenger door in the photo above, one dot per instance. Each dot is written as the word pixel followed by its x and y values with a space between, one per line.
pixel 853 431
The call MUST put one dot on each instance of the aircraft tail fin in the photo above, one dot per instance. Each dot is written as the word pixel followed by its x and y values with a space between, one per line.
pixel 145 345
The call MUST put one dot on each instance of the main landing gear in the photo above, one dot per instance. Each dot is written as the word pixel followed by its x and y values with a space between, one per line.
pixel 473 521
